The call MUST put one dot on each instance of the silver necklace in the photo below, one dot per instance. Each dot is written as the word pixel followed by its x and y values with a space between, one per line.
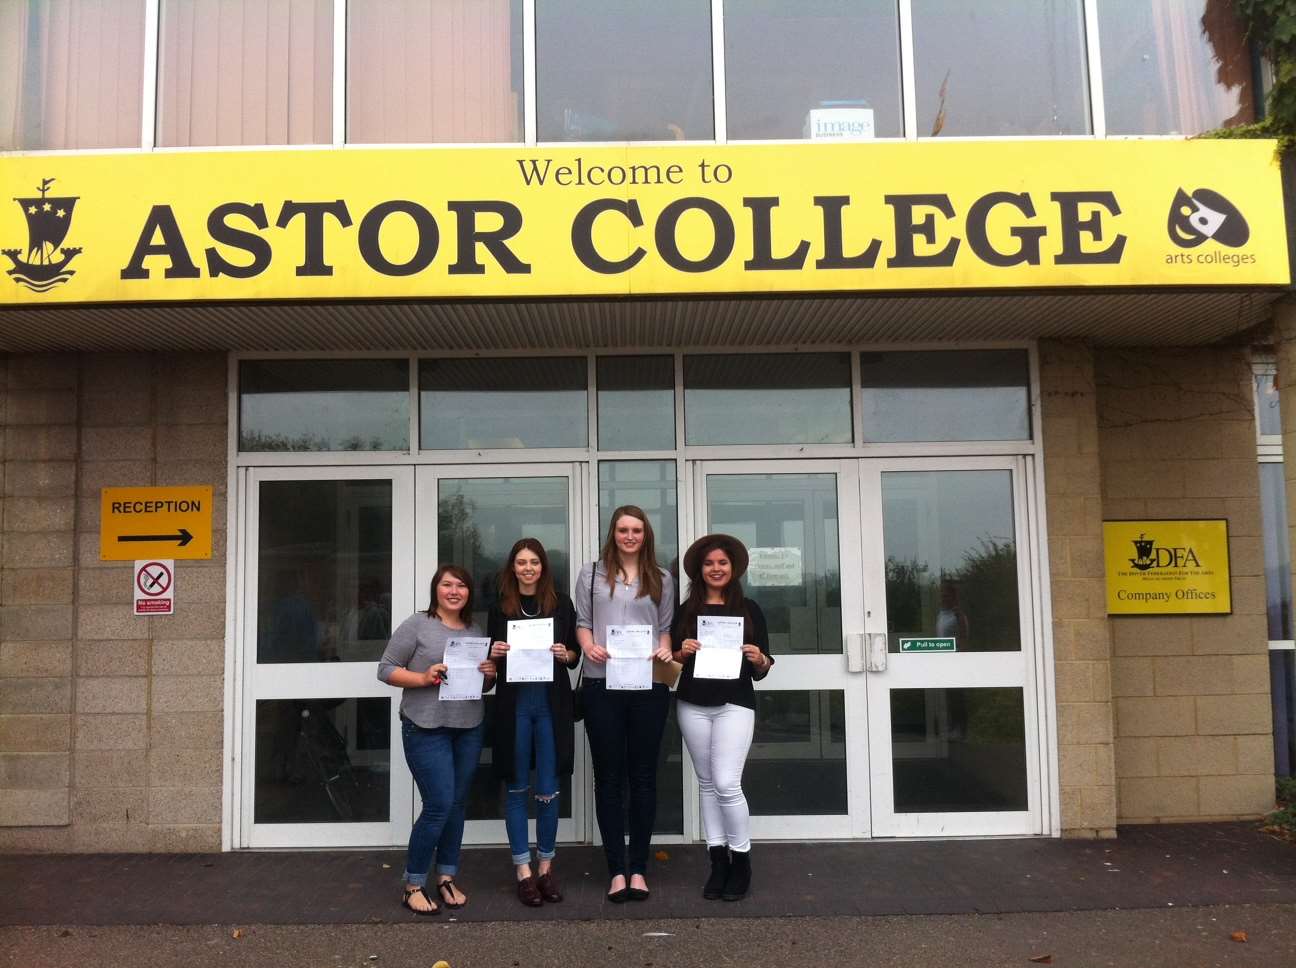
pixel 525 613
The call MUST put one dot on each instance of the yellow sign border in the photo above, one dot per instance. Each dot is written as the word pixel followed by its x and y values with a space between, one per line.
pixel 114 526
pixel 1136 591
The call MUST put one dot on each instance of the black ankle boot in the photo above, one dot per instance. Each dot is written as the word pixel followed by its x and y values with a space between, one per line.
pixel 738 882
pixel 719 873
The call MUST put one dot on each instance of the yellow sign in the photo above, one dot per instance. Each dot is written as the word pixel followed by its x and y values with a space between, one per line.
pixel 1167 567
pixel 155 522
pixel 522 222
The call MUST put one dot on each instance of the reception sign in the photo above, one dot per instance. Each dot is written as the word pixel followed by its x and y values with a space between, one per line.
pixel 525 222
pixel 1167 567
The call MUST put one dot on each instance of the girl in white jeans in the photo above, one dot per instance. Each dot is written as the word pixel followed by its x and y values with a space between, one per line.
pixel 717 716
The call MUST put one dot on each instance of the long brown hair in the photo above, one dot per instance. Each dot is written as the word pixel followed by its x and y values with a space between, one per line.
pixel 510 594
pixel 650 582
pixel 456 571
pixel 734 600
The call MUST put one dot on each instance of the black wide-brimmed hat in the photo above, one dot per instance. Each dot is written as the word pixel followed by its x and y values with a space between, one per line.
pixel 735 549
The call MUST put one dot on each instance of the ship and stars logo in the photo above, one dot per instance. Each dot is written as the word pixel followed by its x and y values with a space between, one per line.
pixel 44 263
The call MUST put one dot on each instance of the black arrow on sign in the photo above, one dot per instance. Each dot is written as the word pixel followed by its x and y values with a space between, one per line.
pixel 182 537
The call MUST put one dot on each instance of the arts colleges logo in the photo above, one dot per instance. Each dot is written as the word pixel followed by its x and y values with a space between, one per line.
pixel 45 262
pixel 1203 215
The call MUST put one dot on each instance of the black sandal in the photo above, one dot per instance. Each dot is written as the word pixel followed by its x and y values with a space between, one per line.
pixel 410 892
pixel 449 901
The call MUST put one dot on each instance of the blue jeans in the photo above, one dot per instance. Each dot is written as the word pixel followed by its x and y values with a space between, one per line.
pixel 533 727
pixel 443 761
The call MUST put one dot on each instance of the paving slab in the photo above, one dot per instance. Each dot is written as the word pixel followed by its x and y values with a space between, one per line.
pixel 1179 865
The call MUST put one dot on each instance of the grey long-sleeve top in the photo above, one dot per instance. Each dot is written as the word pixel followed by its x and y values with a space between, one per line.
pixel 623 607
pixel 418 644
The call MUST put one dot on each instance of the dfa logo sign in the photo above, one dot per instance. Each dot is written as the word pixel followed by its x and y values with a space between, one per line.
pixel 1148 555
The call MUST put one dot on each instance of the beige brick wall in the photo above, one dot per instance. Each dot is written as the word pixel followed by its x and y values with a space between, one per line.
pixel 1082 652
pixel 1193 725
pixel 110 725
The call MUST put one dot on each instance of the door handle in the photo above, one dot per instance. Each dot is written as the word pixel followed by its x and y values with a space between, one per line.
pixel 876 655
pixel 855 652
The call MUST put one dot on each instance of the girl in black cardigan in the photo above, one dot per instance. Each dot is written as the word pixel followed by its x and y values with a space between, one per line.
pixel 533 720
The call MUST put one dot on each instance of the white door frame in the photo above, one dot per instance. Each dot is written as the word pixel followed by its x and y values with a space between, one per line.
pixel 980 669
pixel 319 679
pixel 813 672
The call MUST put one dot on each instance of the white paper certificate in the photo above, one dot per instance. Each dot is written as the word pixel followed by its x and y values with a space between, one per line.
pixel 721 638
pixel 630 649
pixel 530 654
pixel 463 678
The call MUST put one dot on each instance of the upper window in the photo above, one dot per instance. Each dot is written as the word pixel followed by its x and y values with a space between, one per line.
pixel 767 398
pixel 323 405
pixel 434 73
pixel 245 72
pixel 826 70
pixel 624 70
pixel 938 395
pixel 1174 68
pixel 467 404
pixel 71 74
pixel 1000 67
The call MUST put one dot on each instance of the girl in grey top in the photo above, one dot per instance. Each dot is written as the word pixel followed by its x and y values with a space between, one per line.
pixel 624 727
pixel 442 740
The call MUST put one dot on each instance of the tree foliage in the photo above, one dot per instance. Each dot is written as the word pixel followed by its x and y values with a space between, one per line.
pixel 1271 26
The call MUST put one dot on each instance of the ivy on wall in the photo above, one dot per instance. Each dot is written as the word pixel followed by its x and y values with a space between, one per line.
pixel 1271 26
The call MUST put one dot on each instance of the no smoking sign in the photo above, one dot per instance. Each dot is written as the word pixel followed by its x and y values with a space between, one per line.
pixel 155 586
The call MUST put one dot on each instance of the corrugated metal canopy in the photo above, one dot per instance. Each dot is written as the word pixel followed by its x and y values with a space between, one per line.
pixel 1161 317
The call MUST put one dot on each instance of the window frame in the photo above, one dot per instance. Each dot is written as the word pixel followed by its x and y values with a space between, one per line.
pixel 1269 450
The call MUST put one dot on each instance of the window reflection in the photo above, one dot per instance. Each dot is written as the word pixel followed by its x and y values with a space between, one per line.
pixel 408 79
pixel 813 69
pixel 324 571
pixel 624 70
pixel 1268 416
pixel 767 398
pixel 1000 67
pixel 1174 66
pixel 935 395
pixel 958 750
pixel 636 402
pixel 322 760
pixel 951 558
pixel 466 404
pixel 797 764
pixel 304 405
pixel 1277 551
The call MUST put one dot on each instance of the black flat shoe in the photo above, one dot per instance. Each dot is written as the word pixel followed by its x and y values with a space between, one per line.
pixel 618 897
pixel 638 893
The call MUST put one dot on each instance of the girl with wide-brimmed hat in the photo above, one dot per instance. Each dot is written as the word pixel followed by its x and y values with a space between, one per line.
pixel 718 716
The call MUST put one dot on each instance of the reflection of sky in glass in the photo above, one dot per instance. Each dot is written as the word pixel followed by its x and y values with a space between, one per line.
pixel 636 419
pixel 1267 413
pixel 466 420
pixel 945 413
pixel 1277 551
pixel 937 517
pixel 324 420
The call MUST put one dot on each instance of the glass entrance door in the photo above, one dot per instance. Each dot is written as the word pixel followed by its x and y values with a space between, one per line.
pixel 471 516
pixel 328 559
pixel 953 718
pixel 807 772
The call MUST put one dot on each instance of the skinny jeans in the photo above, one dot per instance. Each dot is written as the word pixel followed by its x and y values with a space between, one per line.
pixel 718 739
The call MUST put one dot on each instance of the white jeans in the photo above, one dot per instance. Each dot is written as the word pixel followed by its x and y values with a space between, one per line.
pixel 718 738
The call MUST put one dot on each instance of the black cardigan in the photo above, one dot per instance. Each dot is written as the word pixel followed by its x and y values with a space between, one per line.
pixel 717 692
pixel 504 715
